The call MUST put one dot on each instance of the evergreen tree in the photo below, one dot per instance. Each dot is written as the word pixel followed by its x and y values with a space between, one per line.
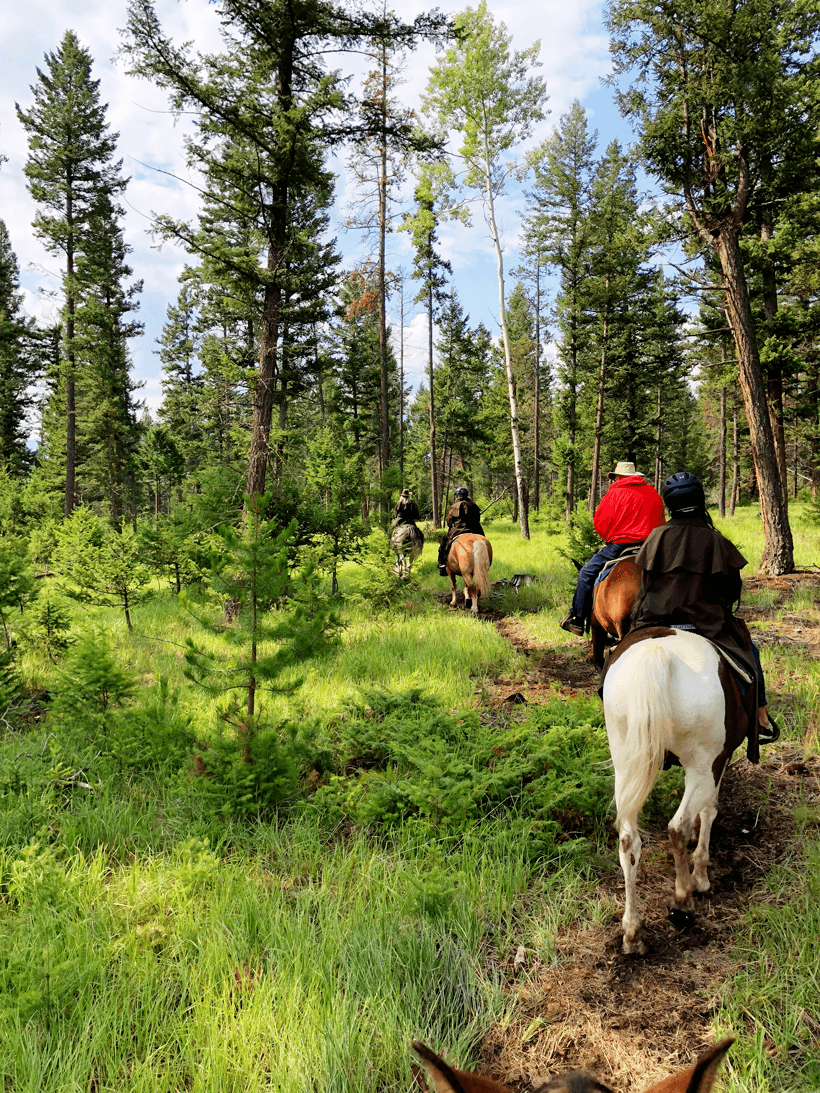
pixel 17 362
pixel 720 91
pixel 269 112
pixel 72 176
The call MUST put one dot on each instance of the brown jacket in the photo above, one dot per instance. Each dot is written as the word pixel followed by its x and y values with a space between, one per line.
pixel 464 516
pixel 691 574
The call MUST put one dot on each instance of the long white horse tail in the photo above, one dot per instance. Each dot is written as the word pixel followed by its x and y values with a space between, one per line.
pixel 481 567
pixel 649 725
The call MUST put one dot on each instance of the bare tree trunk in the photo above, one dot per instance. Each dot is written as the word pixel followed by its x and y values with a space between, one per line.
pixel 401 386
pixel 658 437
pixel 523 514
pixel 70 394
pixel 775 378
pixel 599 423
pixel 778 550
pixel 433 464
pixel 735 463
pixel 536 413
pixel 722 455
pixel 384 453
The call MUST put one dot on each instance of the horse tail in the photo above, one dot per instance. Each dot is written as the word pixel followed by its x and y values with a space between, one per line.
pixel 481 567
pixel 649 724
pixel 416 536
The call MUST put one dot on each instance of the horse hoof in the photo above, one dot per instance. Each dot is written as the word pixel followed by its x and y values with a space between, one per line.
pixel 636 947
pixel 680 919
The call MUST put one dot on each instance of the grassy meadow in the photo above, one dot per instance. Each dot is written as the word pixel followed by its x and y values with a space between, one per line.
pixel 171 920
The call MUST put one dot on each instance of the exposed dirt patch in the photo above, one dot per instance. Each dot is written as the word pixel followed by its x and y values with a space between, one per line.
pixel 621 1016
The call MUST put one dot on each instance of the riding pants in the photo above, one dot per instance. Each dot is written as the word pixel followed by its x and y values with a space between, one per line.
pixel 582 600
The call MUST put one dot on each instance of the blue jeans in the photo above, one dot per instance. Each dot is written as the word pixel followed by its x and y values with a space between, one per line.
pixel 582 600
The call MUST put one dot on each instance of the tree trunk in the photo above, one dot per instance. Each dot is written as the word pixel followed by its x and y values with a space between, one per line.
pixel 536 413
pixel 599 424
pixel 263 387
pixel 523 515
pixel 384 453
pixel 778 550
pixel 658 437
pixel 733 499
pixel 70 394
pixel 433 465
pixel 722 456
pixel 775 377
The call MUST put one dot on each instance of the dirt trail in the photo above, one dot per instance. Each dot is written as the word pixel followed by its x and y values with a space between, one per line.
pixel 621 1016
pixel 616 1015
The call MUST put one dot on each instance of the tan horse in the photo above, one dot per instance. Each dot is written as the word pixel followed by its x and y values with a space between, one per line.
pixel 470 558
pixel 612 602
pixel 697 1079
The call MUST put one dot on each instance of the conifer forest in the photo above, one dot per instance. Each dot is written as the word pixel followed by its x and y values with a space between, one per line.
pixel 270 810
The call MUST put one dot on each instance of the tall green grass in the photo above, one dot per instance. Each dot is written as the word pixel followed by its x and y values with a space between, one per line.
pixel 150 942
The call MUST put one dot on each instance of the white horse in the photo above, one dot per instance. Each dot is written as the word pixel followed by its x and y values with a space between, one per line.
pixel 670 691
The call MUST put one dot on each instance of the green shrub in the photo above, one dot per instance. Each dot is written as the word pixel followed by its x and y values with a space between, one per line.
pixel 405 760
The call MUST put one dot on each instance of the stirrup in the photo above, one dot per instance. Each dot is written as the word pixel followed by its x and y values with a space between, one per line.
pixel 767 734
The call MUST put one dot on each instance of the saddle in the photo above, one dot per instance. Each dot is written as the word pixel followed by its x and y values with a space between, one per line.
pixel 630 552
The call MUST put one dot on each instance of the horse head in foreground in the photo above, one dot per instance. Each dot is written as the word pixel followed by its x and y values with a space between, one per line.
pixel 670 691
pixel 697 1079
pixel 407 542
pixel 470 558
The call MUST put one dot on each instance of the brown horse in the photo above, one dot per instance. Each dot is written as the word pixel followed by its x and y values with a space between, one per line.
pixel 470 558
pixel 612 602
pixel 446 1079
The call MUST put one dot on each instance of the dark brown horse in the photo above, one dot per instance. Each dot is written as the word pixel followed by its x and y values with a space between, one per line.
pixel 612 602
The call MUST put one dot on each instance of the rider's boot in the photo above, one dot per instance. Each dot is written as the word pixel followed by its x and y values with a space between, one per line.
pixel 767 730
pixel 572 625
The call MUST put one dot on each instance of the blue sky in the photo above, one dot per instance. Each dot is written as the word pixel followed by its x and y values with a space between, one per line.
pixel 574 60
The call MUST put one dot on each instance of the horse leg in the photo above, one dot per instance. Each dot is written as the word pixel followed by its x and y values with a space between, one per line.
pixel 471 594
pixel 699 799
pixel 453 586
pixel 598 635
pixel 629 851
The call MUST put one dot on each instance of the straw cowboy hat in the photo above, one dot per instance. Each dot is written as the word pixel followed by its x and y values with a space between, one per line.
pixel 626 469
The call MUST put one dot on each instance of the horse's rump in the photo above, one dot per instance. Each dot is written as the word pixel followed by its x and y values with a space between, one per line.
pixel 407 537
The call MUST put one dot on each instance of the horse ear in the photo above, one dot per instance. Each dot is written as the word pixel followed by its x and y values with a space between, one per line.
pixel 698 1079
pixel 447 1080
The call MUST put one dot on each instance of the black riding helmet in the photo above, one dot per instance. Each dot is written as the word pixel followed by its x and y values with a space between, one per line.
pixel 461 493
pixel 683 493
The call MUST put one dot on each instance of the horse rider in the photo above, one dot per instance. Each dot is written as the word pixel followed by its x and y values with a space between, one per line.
pixel 463 515
pixel 406 510
pixel 628 511
pixel 691 577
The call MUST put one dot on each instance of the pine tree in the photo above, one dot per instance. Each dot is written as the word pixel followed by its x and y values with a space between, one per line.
pixel 72 176
pixel 269 112
pixel 17 362
pixel 721 93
